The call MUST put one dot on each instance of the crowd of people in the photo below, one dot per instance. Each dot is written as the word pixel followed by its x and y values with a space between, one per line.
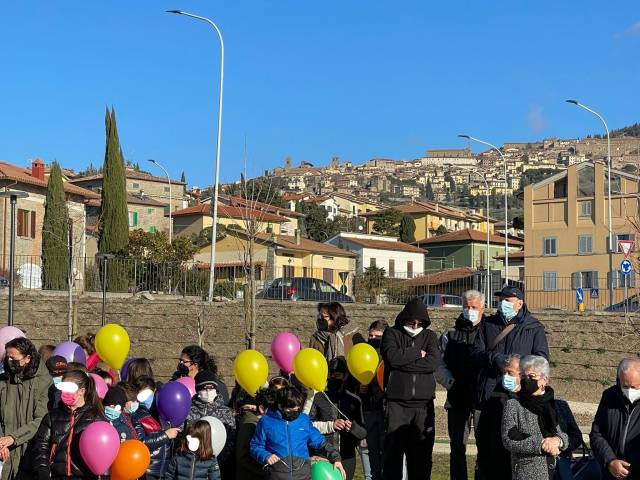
pixel 495 369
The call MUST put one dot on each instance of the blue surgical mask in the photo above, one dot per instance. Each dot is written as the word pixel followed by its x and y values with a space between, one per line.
pixel 111 413
pixel 509 383
pixel 133 408
pixel 472 315
pixel 57 380
pixel 507 310
pixel 148 402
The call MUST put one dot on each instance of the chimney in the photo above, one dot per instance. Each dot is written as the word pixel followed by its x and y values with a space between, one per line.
pixel 37 169
pixel 297 236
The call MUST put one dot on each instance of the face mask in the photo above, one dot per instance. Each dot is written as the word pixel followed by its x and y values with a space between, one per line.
pixel 291 415
pixel 193 443
pixel 183 370
pixel 133 408
pixel 413 331
pixel 509 383
pixel 68 398
pixel 145 397
pixel 375 342
pixel 14 366
pixel 334 384
pixel 507 310
pixel 528 386
pixel 112 413
pixel 57 380
pixel 207 396
pixel 471 315
pixel 632 394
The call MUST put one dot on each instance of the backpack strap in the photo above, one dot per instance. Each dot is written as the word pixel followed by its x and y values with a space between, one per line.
pixel 503 333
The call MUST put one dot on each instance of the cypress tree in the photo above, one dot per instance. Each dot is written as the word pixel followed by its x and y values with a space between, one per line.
pixel 429 191
pixel 114 225
pixel 183 179
pixel 407 229
pixel 55 232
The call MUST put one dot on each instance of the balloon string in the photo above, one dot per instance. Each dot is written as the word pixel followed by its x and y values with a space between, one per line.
pixel 335 406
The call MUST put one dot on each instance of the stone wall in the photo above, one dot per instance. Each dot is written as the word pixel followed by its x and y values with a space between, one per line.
pixel 585 348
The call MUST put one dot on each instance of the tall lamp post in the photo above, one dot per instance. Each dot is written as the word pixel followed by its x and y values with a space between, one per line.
pixel 214 201
pixel 170 197
pixel 506 210
pixel 610 246
pixel 13 196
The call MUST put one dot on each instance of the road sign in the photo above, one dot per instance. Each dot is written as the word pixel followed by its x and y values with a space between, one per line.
pixel 626 246
pixel 626 267
pixel 594 293
pixel 579 295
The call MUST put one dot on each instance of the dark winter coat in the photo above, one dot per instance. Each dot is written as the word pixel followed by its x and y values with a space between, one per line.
pixel 57 443
pixel 527 338
pixel 246 467
pixel 186 466
pixel 151 432
pixel 409 376
pixel 125 428
pixel 615 432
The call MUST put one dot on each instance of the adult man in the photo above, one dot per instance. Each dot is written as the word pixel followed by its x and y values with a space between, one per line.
pixel 512 330
pixel 410 353
pixel 458 376
pixel 615 433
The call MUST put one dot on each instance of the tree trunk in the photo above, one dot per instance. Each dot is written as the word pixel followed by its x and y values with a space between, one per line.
pixel 252 296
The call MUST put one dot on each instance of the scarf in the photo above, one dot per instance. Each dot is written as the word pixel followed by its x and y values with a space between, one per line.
pixel 333 343
pixel 544 407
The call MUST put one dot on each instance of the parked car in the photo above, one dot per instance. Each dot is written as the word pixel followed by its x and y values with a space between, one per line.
pixel 4 282
pixel 632 305
pixel 439 300
pixel 302 288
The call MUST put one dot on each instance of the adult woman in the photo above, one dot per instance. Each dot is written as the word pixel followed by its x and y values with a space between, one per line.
pixel 195 359
pixel 530 429
pixel 57 443
pixel 23 404
pixel 332 338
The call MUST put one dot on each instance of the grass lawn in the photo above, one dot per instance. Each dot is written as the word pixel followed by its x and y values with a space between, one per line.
pixel 440 468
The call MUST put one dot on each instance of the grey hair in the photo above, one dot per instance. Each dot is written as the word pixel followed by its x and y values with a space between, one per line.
pixel 512 358
pixel 627 364
pixel 536 363
pixel 471 294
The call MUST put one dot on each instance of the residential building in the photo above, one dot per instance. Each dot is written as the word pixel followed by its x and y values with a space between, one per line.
pixel 449 156
pixel 566 234
pixel 144 213
pixel 292 218
pixel 399 259
pixel 329 204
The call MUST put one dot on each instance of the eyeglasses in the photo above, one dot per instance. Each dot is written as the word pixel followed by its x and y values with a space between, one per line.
pixel 185 362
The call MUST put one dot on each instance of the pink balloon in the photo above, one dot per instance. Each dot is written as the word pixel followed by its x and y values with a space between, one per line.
pixel 101 386
pixel 99 445
pixel 188 382
pixel 6 335
pixel 284 348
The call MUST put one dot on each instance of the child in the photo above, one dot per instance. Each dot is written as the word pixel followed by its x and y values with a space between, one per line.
pixel 283 438
pixel 114 403
pixel 195 459
pixel 57 367
pixel 249 411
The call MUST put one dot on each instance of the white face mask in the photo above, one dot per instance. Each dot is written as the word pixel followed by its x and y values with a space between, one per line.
pixel 207 396
pixel 632 394
pixel 193 443
pixel 413 331
pixel 472 315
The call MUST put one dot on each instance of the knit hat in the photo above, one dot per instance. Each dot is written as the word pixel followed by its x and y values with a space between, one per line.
pixel 57 365
pixel 204 379
pixel 115 396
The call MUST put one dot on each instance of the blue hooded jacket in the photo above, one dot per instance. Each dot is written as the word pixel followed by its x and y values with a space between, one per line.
pixel 274 435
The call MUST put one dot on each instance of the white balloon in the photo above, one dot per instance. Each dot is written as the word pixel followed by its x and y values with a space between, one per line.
pixel 218 434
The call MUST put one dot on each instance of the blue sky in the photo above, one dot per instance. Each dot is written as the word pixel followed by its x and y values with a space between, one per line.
pixel 310 80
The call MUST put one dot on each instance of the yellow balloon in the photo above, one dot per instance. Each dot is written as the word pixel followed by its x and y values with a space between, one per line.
pixel 362 362
pixel 112 345
pixel 310 367
pixel 251 370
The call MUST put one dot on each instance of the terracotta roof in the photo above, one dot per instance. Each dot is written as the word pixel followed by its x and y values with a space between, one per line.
pixel 203 265
pixel 469 235
pixel 239 201
pixel 397 246
pixel 23 175
pixel 306 245
pixel 132 199
pixel 433 208
pixel 226 211
pixel 133 174
pixel 286 196
pixel 439 278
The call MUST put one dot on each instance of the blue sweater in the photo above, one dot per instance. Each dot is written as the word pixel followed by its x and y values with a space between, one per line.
pixel 274 435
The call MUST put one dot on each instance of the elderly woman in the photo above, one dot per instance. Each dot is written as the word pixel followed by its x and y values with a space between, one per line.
pixel 530 429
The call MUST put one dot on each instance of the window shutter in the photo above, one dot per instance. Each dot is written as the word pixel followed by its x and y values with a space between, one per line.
pixel 20 223
pixel 632 279
pixel 33 224
pixel 135 219
pixel 594 279
pixel 615 281
pixel 576 280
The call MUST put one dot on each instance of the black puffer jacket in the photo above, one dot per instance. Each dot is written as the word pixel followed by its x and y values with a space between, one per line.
pixel 615 433
pixel 57 443
pixel 409 376
pixel 527 338
pixel 152 433
pixel 187 467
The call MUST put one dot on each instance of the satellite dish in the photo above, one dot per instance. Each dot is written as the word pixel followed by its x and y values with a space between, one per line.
pixel 30 275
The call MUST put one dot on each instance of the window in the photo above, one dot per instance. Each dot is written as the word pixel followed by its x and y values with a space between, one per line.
pixel 550 281
pixel 327 275
pixel 372 263
pixel 586 182
pixel 135 185
pixel 167 210
pixel 152 229
pixel 621 236
pixel 585 208
pixel 166 189
pixel 585 244
pixel 133 219
pixel 483 254
pixel 392 268
pixel 409 269
pixel 586 279
pixel 288 271
pixel 620 280
pixel 549 246
pixel 560 189
pixel 149 211
pixel 26 223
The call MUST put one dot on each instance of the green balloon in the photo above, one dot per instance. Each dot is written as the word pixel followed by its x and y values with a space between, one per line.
pixel 324 471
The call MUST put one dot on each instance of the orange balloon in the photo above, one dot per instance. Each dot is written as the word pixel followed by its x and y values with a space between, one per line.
pixel 132 461
pixel 380 375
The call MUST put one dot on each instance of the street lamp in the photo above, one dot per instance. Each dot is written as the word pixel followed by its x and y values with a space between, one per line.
pixel 104 257
pixel 170 204
pixel 214 201
pixel 610 246
pixel 13 196
pixel 506 210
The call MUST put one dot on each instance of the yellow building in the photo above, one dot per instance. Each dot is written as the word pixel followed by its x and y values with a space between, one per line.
pixel 566 236
pixel 353 206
